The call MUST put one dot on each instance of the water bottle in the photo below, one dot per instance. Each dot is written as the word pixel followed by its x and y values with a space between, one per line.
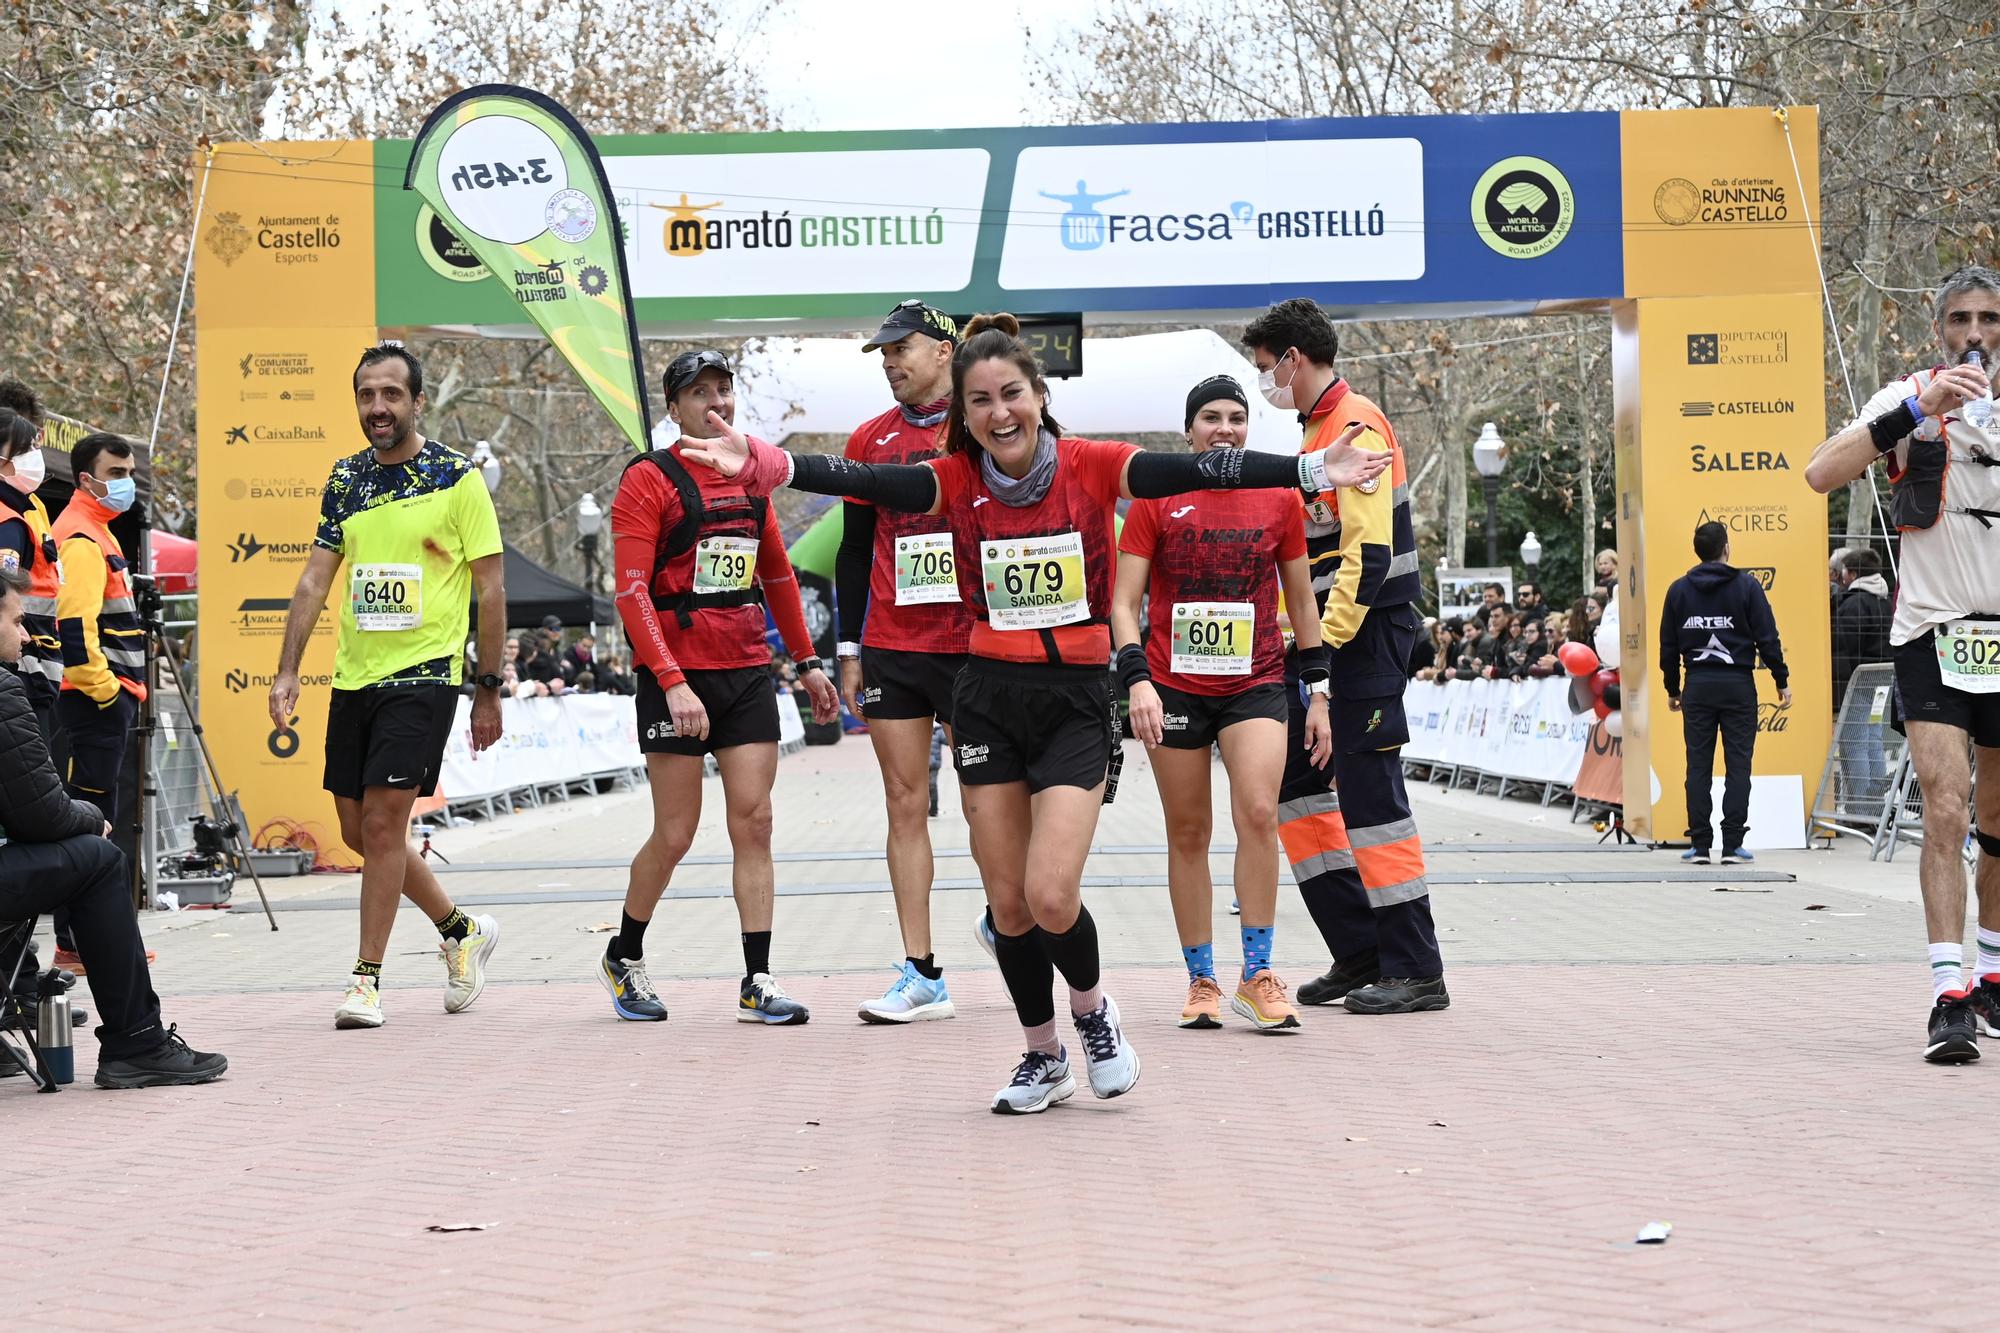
pixel 52 1027
pixel 1979 411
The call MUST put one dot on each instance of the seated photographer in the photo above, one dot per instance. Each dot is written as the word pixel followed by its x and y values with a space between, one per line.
pixel 55 852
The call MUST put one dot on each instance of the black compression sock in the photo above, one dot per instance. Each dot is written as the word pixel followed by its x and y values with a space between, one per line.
pixel 927 967
pixel 456 926
pixel 756 952
pixel 1074 951
pixel 630 941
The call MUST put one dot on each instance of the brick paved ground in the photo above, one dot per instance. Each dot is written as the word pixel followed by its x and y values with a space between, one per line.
pixel 1617 1053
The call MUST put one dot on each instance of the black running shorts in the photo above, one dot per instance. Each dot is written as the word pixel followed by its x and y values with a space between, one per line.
pixel 896 685
pixel 388 736
pixel 1048 726
pixel 1922 695
pixel 1193 721
pixel 742 705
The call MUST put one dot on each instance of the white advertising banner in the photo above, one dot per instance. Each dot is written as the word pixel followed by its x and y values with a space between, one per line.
pixel 542 741
pixel 1515 729
pixel 1245 212
pixel 766 224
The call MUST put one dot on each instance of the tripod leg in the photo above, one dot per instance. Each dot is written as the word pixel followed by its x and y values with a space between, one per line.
pixel 222 799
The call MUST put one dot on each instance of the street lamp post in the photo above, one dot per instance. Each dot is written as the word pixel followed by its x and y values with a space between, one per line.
pixel 1489 458
pixel 589 522
pixel 488 465
pixel 1531 554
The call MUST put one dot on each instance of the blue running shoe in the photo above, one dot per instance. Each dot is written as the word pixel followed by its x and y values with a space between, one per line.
pixel 1695 856
pixel 982 931
pixel 632 993
pixel 1736 855
pixel 760 1001
pixel 911 998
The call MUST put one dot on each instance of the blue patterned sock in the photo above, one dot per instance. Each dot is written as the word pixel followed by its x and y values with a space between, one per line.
pixel 1256 949
pixel 1200 959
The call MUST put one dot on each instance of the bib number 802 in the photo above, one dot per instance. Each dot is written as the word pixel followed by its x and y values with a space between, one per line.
pixel 1042 576
pixel 1975 652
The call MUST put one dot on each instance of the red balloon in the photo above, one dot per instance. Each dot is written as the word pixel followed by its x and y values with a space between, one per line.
pixel 1601 708
pixel 1601 680
pixel 1577 658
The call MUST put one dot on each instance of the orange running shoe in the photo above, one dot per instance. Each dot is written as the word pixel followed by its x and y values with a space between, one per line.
pixel 1204 1004
pixel 1262 1000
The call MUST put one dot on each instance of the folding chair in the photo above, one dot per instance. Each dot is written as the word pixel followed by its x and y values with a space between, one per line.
pixel 17 1016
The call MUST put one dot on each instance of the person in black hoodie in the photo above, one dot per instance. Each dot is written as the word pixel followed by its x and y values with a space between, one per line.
pixel 1717 618
pixel 57 853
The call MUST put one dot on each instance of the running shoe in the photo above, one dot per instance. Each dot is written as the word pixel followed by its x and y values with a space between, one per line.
pixel 1737 855
pixel 465 963
pixel 171 1064
pixel 911 998
pixel 1110 1059
pixel 1261 999
pixel 361 1007
pixel 1235 907
pixel 1986 1006
pixel 1953 1030
pixel 1341 978
pixel 1399 995
pixel 760 1001
pixel 632 993
pixel 982 931
pixel 1695 856
pixel 1204 1004
pixel 1039 1082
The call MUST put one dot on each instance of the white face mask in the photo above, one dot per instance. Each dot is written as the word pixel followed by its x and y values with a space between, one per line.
pixel 1277 395
pixel 29 471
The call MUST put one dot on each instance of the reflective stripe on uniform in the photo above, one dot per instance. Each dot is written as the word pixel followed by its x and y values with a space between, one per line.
pixel 1314 835
pixel 1389 895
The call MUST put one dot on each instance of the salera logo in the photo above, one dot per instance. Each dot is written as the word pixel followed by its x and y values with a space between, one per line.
pixel 1523 207
pixel 1708 458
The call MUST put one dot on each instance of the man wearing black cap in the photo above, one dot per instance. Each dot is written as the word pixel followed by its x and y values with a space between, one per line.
pixel 697 560
pixel 896 576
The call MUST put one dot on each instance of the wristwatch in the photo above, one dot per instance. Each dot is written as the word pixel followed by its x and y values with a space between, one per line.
pixel 811 664
pixel 486 680
pixel 846 651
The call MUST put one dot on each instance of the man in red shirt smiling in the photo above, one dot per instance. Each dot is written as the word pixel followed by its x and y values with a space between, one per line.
pixel 697 561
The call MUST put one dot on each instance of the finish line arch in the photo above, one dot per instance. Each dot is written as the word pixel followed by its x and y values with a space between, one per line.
pixel 1689 228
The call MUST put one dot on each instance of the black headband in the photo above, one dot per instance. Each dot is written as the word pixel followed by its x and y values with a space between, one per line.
pixel 1210 389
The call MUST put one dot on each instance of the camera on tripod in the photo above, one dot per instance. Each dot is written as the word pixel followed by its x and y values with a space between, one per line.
pixel 207 872
pixel 146 592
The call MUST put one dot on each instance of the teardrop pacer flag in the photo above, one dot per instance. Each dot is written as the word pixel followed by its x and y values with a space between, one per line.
pixel 520 183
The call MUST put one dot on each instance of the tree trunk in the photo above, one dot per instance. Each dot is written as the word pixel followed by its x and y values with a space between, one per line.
pixel 543 486
pixel 1867 364
pixel 1455 515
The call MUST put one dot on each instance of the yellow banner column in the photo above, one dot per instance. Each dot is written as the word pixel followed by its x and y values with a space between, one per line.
pixel 285 284
pixel 1718 382
pixel 1717 426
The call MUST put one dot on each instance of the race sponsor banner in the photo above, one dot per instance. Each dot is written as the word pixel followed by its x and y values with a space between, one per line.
pixel 518 182
pixel 1601 777
pixel 1519 729
pixel 1717 414
pixel 542 741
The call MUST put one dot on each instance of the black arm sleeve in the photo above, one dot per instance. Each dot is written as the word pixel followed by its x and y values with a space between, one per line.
pixel 909 487
pixel 852 567
pixel 1152 476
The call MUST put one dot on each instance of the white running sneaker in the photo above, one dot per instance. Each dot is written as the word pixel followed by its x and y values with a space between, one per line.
pixel 361 1007
pixel 1113 1064
pixel 982 932
pixel 465 963
pixel 911 998
pixel 1039 1082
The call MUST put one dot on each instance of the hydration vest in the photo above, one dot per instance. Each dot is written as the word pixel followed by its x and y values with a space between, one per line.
pixel 739 515
pixel 1922 481
pixel 41 657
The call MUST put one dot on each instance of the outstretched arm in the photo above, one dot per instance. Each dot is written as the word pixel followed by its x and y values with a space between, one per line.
pixel 762 468
pixel 1151 476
